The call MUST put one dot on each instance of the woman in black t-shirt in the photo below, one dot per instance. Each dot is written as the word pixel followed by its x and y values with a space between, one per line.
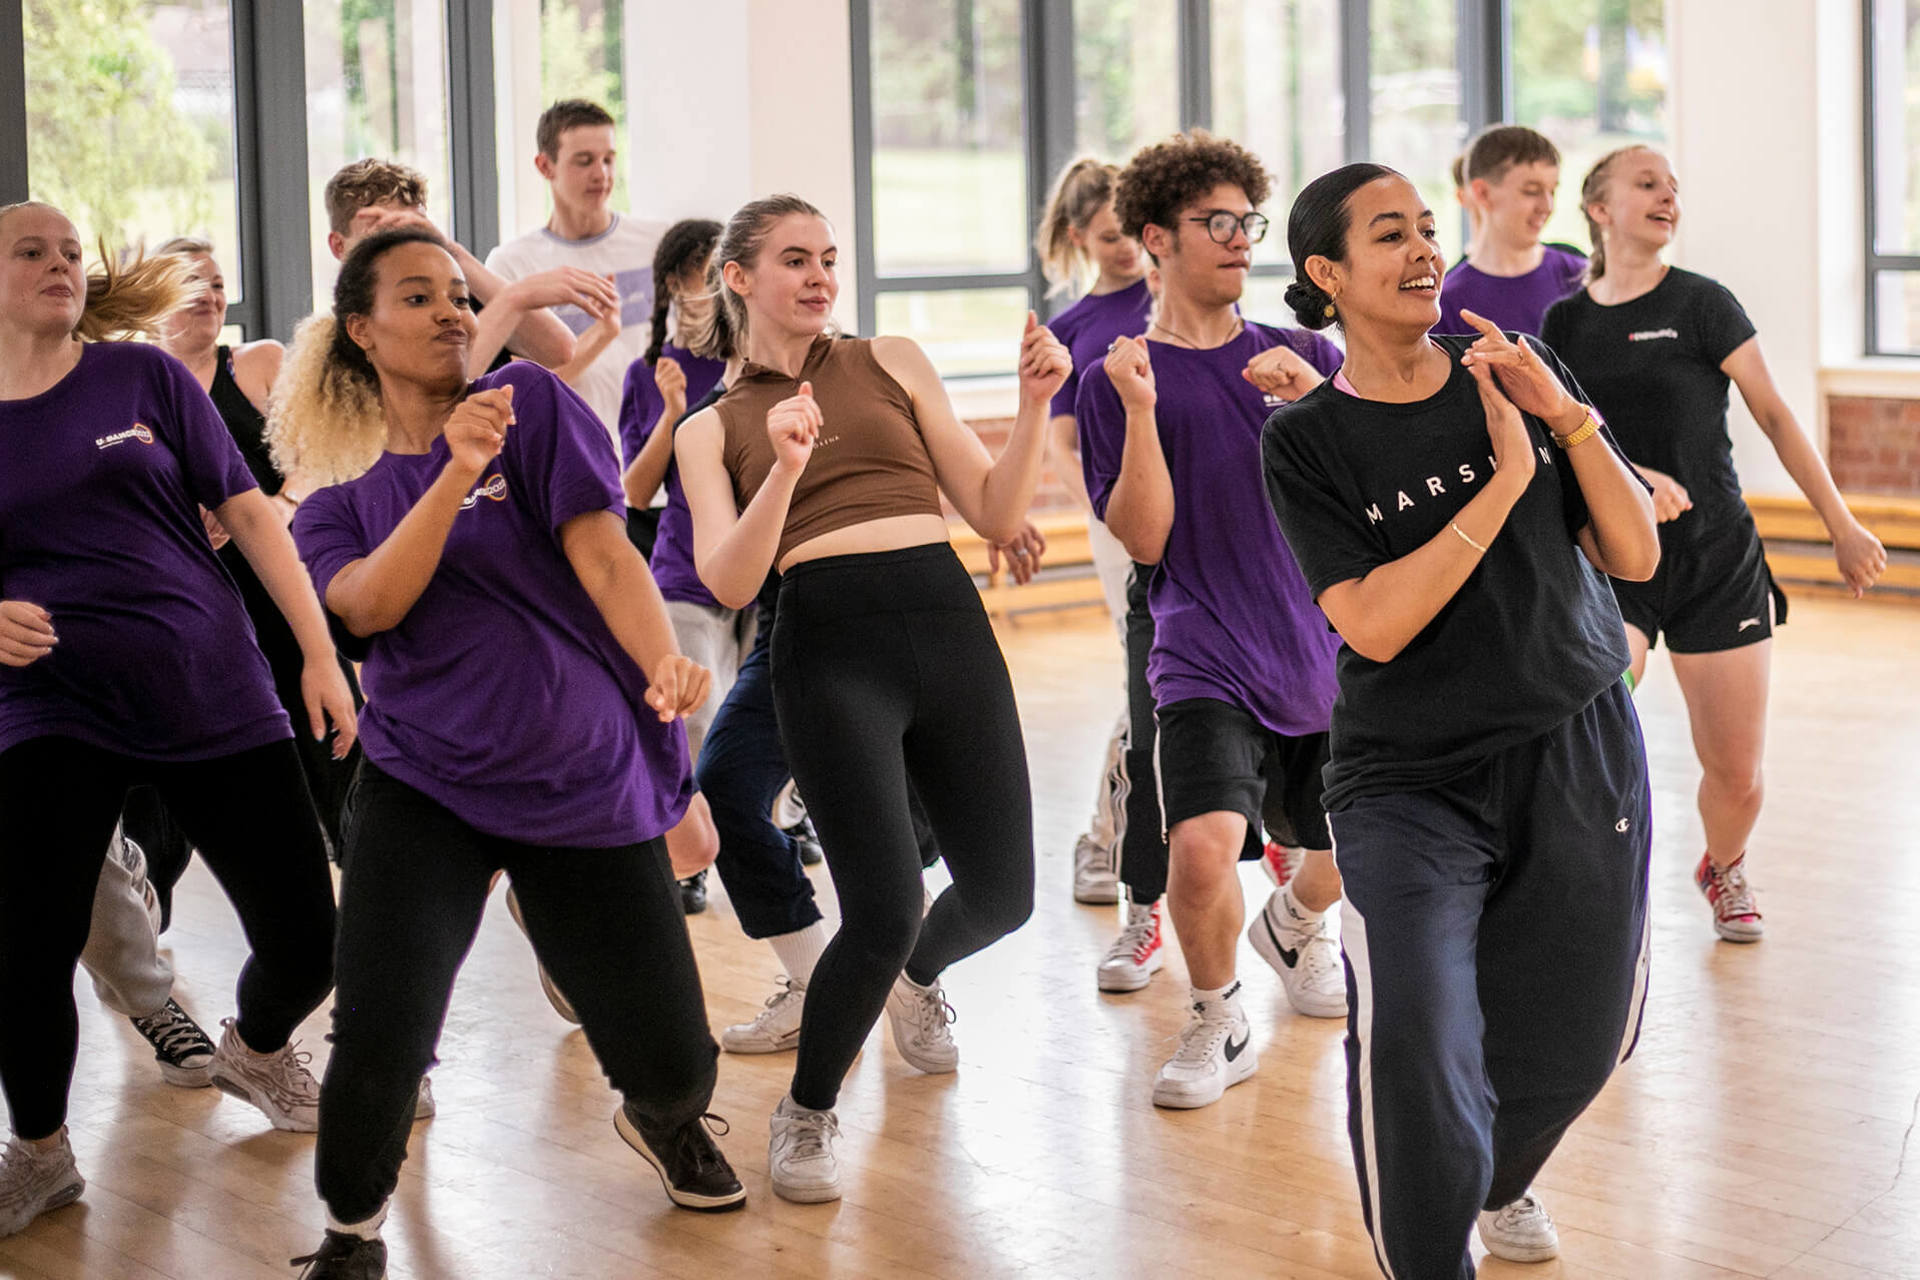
pixel 1656 346
pixel 1453 504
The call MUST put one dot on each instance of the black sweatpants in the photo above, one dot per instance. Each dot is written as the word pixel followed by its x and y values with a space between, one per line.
pixel 1143 842
pixel 1495 930
pixel 606 923
pixel 59 800
pixel 885 671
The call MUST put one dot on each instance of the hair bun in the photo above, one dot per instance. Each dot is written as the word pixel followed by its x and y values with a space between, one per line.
pixel 1309 302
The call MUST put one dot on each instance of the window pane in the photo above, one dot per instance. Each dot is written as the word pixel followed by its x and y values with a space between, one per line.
pixel 376 86
pixel 542 54
pixel 1126 77
pixel 1276 90
pixel 1896 297
pixel 949 170
pixel 130 121
pixel 1415 90
pixel 1592 76
pixel 1896 123
pixel 964 331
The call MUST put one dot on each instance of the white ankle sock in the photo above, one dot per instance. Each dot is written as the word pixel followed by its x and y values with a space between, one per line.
pixel 368 1230
pixel 1228 995
pixel 800 950
pixel 1284 909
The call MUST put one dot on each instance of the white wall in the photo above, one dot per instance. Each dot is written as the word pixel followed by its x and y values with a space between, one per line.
pixel 759 94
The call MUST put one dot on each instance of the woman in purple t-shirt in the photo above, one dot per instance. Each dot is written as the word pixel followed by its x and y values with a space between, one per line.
pixel 118 665
pixel 523 691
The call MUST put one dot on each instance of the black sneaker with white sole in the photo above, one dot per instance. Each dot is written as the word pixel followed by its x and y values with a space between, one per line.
pixel 694 1172
pixel 344 1257
pixel 183 1050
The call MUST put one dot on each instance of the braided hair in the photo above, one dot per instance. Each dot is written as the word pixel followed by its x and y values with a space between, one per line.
pixel 687 244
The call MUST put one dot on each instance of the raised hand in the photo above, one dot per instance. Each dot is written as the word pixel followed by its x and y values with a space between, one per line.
pixel 1044 362
pixel 478 428
pixel 1524 376
pixel 1022 551
pixel 26 633
pixel 1281 371
pixel 671 380
pixel 564 286
pixel 794 427
pixel 677 687
pixel 1670 498
pixel 1506 429
pixel 1131 373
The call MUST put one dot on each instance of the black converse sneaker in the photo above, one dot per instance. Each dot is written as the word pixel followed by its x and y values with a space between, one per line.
pixel 690 1166
pixel 183 1050
pixel 344 1257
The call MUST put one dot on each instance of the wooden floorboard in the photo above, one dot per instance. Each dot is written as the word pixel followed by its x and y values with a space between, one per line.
pixel 1761 1130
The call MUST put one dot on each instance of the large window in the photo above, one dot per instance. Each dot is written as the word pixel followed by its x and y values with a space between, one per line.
pixel 130 121
pixel 1592 76
pixel 1893 177
pixel 376 86
pixel 544 52
pixel 1415 112
pixel 1126 74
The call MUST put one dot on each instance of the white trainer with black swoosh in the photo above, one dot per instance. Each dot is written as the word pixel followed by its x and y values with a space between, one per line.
pixel 1306 955
pixel 1216 1052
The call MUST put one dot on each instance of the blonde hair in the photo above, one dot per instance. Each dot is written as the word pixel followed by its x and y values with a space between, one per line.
pixel 1593 190
pixel 186 247
pixel 1083 189
pixel 129 295
pixel 325 421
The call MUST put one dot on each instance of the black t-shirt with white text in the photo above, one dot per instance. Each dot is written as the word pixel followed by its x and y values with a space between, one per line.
pixel 1531 637
pixel 1652 366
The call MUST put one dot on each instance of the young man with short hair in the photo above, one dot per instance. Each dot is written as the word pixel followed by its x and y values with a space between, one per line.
pixel 370 195
pixel 1509 276
pixel 1242 661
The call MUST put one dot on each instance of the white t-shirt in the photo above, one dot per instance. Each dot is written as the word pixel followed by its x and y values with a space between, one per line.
pixel 625 252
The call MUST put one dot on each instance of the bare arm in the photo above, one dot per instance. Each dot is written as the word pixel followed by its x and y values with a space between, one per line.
pixel 587 348
pixel 1620 538
pixel 617 580
pixel 648 469
pixel 1140 506
pixel 510 319
pixel 1861 557
pixel 1063 451
pixel 733 551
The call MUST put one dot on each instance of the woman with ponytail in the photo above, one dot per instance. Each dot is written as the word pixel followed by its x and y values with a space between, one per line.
pixel 121 663
pixel 1455 508
pixel 1658 348
pixel 523 693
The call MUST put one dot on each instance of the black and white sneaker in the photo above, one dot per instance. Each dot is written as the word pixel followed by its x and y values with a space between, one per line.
pixel 691 1168
pixel 344 1257
pixel 184 1051
pixel 807 841
pixel 693 893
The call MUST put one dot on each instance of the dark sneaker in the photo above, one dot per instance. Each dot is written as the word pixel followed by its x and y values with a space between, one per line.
pixel 693 893
pixel 808 842
pixel 691 1168
pixel 183 1050
pixel 344 1257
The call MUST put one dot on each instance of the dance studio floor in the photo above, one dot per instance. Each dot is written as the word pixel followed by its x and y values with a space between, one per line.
pixel 1762 1130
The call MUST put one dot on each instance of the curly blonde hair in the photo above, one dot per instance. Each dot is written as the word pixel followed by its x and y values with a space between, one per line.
pixel 325 422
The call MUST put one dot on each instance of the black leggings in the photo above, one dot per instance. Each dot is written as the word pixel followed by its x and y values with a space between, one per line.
pixel 1143 842
pixel 885 672
pixel 606 923
pixel 59 800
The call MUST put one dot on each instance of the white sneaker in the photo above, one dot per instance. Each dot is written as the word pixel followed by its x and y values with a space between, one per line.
pixel 1281 862
pixel 1520 1232
pixel 1216 1052
pixel 1135 955
pixel 921 1018
pixel 1307 960
pixel 788 810
pixel 775 1028
pixel 278 1083
pixel 1095 878
pixel 34 1182
pixel 800 1157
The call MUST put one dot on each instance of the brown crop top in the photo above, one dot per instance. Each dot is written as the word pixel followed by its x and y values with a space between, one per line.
pixel 870 462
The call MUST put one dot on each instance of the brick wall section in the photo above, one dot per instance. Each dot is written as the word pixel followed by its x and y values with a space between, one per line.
pixel 1051 498
pixel 1873 444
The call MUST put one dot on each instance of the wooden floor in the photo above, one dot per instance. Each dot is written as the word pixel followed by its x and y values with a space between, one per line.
pixel 1764 1129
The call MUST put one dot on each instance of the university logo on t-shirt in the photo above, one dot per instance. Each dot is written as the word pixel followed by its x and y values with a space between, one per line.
pixel 138 431
pixel 494 487
pixel 1464 476
pixel 1653 335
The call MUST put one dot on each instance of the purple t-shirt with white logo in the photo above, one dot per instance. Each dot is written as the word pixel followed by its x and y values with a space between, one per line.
pixel 1514 303
pixel 101 479
pixel 502 694
pixel 1088 327
pixel 640 409
pixel 1233 619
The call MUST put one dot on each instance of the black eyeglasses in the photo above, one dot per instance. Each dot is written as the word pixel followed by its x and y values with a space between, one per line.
pixel 1221 225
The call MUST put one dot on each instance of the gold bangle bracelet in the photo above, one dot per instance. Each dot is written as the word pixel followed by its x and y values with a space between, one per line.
pixel 1580 434
pixel 1464 538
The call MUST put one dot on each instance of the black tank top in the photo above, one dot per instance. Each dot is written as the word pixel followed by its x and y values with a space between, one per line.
pixel 246 423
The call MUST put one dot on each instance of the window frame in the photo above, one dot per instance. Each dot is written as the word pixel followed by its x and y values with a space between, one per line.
pixel 1878 264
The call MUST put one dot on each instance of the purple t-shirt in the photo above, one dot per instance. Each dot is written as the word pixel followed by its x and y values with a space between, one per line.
pixel 1232 617
pixel 101 480
pixel 640 410
pixel 1515 303
pixel 502 694
pixel 1088 327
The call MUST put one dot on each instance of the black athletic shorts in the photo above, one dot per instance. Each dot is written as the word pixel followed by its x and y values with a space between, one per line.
pixel 1212 757
pixel 1709 594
